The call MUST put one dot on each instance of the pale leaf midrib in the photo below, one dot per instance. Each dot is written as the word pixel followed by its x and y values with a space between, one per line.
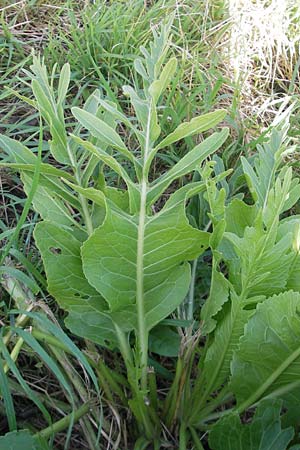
pixel 270 380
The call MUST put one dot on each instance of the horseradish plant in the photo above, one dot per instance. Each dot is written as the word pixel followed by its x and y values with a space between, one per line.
pixel 118 260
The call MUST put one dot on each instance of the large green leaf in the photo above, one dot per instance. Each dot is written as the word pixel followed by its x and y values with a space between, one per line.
pixel 216 368
pixel 264 258
pixel 164 341
pixel 263 433
pixel 168 243
pixel 263 267
pixel 22 440
pixel 88 316
pixel 268 357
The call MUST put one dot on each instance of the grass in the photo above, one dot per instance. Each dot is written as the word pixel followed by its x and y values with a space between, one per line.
pixel 218 68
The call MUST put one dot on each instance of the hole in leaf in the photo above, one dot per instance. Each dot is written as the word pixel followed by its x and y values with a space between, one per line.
pixel 85 297
pixel 55 250
pixel 76 294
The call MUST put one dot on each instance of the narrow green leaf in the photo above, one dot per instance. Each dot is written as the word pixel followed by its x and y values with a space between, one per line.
pixel 56 331
pixel 28 391
pixel 52 198
pixel 144 111
pixel 64 81
pixel 159 86
pixel 45 169
pixel 58 144
pixel 112 108
pixel 16 151
pixel 21 276
pixel 133 191
pixel 187 164
pixel 139 67
pixel 102 131
pixel 51 363
pixel 196 125
pixel 7 400
pixel 140 105
pixel 261 177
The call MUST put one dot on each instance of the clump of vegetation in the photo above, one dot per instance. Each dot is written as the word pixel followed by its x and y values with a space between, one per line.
pixel 150 257
pixel 121 250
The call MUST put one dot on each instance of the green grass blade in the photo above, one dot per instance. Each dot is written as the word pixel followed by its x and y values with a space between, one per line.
pixel 8 401
pixel 29 392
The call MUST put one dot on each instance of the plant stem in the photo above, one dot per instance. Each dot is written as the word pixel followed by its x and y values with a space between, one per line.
pixel 116 389
pixel 196 439
pixel 182 436
pixel 52 402
pixel 190 309
pixel 141 444
pixel 82 199
pixel 171 400
pixel 124 348
pixel 213 417
pixel 86 214
pixel 63 423
pixel 142 329
pixel 49 339
pixel 190 303
pixel 153 389
pixel 223 396
pixel 83 394
pixel 143 334
pixel 15 353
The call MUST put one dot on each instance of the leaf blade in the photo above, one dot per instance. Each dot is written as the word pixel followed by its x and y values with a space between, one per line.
pixel 196 125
